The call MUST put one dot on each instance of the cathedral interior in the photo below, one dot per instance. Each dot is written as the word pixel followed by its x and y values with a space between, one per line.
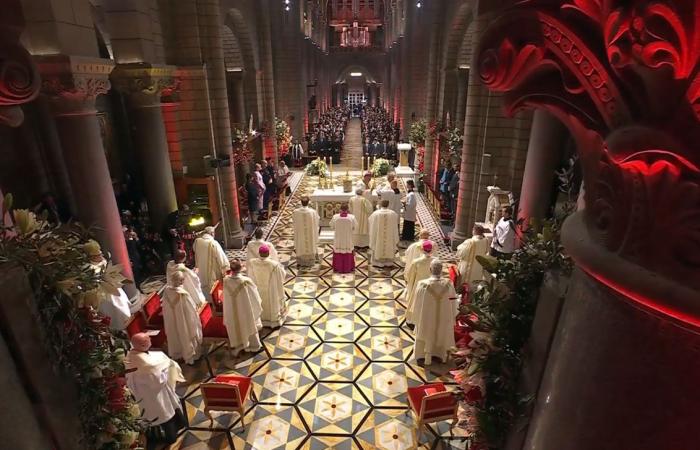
pixel 562 133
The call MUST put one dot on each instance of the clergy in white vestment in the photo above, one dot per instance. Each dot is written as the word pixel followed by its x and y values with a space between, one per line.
pixel 367 185
pixel 151 377
pixel 251 249
pixel 361 208
pixel 344 226
pixel 210 260
pixel 393 195
pixel 414 250
pixel 418 271
pixel 269 277
pixel 181 319
pixel 192 283
pixel 469 268
pixel 436 309
pixel 383 235
pixel 306 222
pixel 113 301
pixel 242 310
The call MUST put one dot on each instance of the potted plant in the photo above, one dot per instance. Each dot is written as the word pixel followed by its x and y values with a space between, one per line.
pixel 283 135
pixel 380 167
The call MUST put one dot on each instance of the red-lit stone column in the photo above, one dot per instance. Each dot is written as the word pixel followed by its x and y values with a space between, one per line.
pixel 72 85
pixel 142 84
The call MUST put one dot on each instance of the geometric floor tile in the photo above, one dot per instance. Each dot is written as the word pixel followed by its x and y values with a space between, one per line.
pixel 342 299
pixel 340 327
pixel 382 313
pixel 303 311
pixel 269 427
pixel 334 408
pixel 202 440
pixel 328 442
pixel 347 280
pixel 337 362
pixel 282 381
pixel 389 429
pixel 307 287
pixel 381 288
pixel 196 418
pixel 386 344
pixel 385 384
pixel 291 341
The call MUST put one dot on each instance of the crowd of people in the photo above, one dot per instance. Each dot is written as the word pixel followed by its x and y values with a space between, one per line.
pixel 448 186
pixel 379 133
pixel 264 186
pixel 327 135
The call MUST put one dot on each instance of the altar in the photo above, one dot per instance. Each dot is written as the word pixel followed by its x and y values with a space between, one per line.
pixel 327 202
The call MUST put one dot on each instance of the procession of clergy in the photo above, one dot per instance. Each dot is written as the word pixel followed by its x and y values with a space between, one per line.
pixel 257 299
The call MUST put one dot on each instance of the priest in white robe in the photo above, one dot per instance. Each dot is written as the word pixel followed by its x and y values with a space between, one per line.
pixel 418 271
pixel 192 283
pixel 255 243
pixel 306 224
pixel 181 319
pixel 361 208
pixel 392 193
pixel 470 269
pixel 383 235
pixel 210 260
pixel 112 300
pixel 436 309
pixel 344 226
pixel 367 185
pixel 414 250
pixel 242 310
pixel 151 377
pixel 269 276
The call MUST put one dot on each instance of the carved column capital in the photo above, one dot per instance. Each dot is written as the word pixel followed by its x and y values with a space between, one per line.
pixel 144 83
pixel 19 83
pixel 72 83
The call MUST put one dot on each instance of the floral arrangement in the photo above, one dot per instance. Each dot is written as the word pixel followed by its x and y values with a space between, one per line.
pixel 380 167
pixel 500 315
pixel 317 167
pixel 241 147
pixel 283 134
pixel 418 132
pixel 436 127
pixel 78 338
pixel 421 159
pixel 454 141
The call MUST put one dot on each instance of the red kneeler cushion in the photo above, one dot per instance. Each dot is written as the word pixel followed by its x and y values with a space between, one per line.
pixel 154 311
pixel 217 296
pixel 243 383
pixel 212 325
pixel 138 325
pixel 439 408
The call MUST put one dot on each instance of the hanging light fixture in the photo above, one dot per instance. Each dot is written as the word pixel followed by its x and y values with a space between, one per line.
pixel 419 4
pixel 287 5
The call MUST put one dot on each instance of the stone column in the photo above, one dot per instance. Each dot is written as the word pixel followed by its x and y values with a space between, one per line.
pixel 547 138
pixel 460 107
pixel 142 84
pixel 72 85
pixel 470 167
pixel 430 106
pixel 236 97
pixel 268 81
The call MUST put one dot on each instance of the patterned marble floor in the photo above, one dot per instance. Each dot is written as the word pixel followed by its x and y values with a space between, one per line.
pixel 335 375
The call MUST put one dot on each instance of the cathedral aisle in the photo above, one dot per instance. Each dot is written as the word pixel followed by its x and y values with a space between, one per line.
pixel 352 146
pixel 334 376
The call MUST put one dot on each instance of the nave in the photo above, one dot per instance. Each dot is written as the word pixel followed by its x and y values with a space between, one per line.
pixel 335 374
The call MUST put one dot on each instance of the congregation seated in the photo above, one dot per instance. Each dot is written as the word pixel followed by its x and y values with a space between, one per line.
pixel 378 133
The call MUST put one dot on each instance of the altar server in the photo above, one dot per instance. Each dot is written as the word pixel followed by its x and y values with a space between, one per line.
pixel 269 276
pixel 436 308
pixel 383 235
pixel 113 301
pixel 306 223
pixel 210 260
pixel 242 310
pixel 361 208
pixel 418 271
pixel 151 377
pixel 469 268
pixel 181 317
pixel 192 283
pixel 344 225
pixel 254 245
pixel 414 250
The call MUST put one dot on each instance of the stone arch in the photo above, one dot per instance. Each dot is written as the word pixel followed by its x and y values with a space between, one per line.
pixel 459 36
